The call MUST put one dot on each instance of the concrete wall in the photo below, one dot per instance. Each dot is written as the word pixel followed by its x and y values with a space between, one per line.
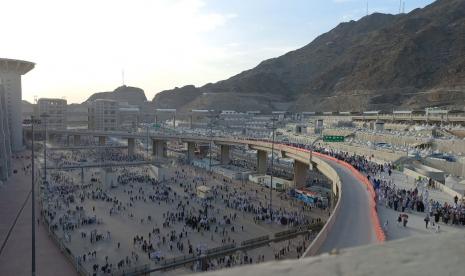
pixel 437 184
pixel 420 255
pixel 428 172
pixel 455 146
pixel 454 168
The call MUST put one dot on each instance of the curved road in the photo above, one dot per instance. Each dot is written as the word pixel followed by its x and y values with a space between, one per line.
pixel 353 225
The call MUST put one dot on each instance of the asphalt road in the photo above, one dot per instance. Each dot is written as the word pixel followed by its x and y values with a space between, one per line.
pixel 353 226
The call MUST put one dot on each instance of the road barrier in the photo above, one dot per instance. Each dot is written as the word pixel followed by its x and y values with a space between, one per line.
pixel 256 240
pixel 380 235
pixel 322 235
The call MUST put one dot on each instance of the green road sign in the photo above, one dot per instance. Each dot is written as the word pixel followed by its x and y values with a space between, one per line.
pixel 333 138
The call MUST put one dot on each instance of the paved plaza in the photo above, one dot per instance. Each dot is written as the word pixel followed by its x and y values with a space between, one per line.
pixel 15 257
pixel 139 220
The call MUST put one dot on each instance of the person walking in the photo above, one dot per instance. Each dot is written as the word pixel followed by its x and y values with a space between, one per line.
pixel 405 220
pixel 427 219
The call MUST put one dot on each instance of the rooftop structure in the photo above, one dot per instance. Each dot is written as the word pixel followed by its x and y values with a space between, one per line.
pixel 5 145
pixel 11 71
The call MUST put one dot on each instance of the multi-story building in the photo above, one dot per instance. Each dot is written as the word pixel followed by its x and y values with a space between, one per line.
pixel 5 145
pixel 103 115
pixel 56 110
pixel 11 71
pixel 77 115
pixel 128 117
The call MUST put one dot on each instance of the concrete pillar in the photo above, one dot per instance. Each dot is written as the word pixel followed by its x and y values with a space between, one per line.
pixel 77 140
pixel 203 150
pixel 82 175
pixel 190 151
pixel 102 140
pixel 225 154
pixel 300 174
pixel 131 146
pixel 67 140
pixel 261 161
pixel 159 148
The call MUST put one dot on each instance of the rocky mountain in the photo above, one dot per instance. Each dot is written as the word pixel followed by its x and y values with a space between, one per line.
pixel 129 94
pixel 381 61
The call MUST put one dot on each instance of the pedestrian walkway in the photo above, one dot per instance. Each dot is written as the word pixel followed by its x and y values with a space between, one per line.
pixel 15 258
pixel 416 224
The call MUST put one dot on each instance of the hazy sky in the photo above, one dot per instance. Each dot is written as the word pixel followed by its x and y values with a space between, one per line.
pixel 81 47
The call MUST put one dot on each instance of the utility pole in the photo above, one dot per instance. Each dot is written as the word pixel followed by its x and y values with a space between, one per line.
pixel 33 206
pixel 212 117
pixel 45 116
pixel 273 128
pixel 33 121
pixel 210 146
pixel 147 146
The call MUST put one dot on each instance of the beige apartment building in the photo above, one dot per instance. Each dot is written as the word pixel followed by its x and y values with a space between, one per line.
pixel 56 110
pixel 103 115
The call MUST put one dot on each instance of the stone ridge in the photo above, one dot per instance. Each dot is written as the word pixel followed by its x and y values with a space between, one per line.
pixel 381 61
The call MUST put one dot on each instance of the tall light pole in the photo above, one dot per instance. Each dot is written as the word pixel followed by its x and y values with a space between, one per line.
pixel 273 128
pixel 212 117
pixel 33 121
pixel 147 146
pixel 45 116
pixel 211 142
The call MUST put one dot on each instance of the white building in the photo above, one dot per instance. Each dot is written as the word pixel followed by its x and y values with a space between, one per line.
pixel 5 145
pixel 56 111
pixel 103 115
pixel 10 75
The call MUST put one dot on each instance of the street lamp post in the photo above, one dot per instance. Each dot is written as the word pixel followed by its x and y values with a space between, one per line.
pixel 45 116
pixel 210 146
pixel 33 121
pixel 273 128
pixel 147 146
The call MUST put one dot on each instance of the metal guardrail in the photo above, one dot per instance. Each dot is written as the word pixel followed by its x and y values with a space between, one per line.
pixel 253 241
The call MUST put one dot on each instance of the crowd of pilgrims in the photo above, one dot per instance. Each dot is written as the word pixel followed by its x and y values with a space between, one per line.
pixel 64 198
pixel 417 199
pixel 401 199
pixel 76 157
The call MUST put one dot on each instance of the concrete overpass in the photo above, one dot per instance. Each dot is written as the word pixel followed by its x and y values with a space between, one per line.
pixel 354 220
pixel 102 165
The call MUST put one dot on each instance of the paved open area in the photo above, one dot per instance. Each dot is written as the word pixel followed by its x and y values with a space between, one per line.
pixel 15 230
pixel 136 219
pixel 353 226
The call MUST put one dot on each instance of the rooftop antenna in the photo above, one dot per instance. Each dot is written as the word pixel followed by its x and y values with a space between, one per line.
pixel 367 7
pixel 122 76
pixel 400 6
pixel 403 7
pixel 35 99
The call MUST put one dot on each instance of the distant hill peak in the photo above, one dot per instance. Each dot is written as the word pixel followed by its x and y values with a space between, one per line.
pixel 129 94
